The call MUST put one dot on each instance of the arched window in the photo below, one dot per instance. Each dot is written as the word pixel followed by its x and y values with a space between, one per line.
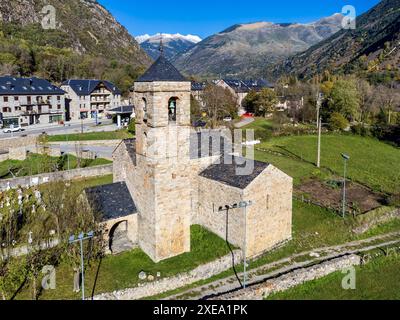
pixel 172 104
pixel 144 102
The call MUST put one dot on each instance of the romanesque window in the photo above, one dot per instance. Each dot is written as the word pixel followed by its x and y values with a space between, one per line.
pixel 172 103
pixel 144 110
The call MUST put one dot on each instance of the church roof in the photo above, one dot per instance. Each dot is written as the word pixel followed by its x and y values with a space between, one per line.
pixel 228 174
pixel 162 70
pixel 112 200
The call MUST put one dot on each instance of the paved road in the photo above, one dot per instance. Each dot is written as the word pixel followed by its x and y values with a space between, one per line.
pixel 100 151
pixel 244 122
pixel 69 128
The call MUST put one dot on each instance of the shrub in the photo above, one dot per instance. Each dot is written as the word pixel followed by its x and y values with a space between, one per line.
pixel 361 130
pixel 394 200
pixel 132 127
pixel 338 122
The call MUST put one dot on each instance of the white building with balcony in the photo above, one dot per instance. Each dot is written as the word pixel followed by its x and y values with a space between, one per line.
pixel 90 98
pixel 29 101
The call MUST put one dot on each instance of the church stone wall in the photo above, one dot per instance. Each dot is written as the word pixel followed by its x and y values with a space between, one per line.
pixel 270 218
pixel 212 195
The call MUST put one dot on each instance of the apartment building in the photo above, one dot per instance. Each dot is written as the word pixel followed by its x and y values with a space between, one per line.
pixel 88 99
pixel 29 101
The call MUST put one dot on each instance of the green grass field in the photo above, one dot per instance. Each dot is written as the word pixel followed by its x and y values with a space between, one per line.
pixel 37 164
pixel 377 280
pixel 372 163
pixel 121 271
pixel 92 136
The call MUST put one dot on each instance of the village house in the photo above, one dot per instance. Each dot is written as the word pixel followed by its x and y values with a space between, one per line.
pixel 241 88
pixel 88 99
pixel 171 177
pixel 29 101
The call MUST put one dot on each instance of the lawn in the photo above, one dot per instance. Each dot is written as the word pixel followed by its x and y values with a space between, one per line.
pixel 37 164
pixel 313 227
pixel 92 136
pixel 377 280
pixel 372 163
pixel 121 271
pixel 259 124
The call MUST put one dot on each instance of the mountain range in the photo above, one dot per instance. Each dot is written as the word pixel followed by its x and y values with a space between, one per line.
pixel 173 44
pixel 373 46
pixel 85 41
pixel 245 50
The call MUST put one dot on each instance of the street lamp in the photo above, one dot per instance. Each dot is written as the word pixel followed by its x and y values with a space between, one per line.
pixel 241 205
pixel 82 237
pixel 346 158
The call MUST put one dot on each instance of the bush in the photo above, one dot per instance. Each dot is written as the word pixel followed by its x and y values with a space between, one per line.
pixel 394 200
pixel 262 135
pixel 338 122
pixel 361 130
pixel 132 127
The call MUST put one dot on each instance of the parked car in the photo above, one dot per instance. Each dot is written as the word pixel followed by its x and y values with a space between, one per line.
pixel 13 129
pixel 228 119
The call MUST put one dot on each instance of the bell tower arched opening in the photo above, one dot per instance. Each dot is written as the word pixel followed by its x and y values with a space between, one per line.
pixel 172 107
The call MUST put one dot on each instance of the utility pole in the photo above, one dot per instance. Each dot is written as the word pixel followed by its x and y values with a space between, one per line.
pixel 319 127
pixel 345 158
pixel 241 205
pixel 82 237
pixel 319 143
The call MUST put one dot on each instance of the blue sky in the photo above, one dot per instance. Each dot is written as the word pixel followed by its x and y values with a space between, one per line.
pixel 206 17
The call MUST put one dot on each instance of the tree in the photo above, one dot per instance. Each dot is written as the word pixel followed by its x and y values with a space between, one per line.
pixel 338 122
pixel 387 99
pixel 250 102
pixel 265 102
pixel 218 103
pixel 366 94
pixel 195 109
pixel 344 99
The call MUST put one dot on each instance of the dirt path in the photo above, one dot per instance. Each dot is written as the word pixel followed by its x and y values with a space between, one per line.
pixel 288 264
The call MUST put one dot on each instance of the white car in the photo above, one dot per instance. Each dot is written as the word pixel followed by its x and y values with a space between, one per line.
pixel 13 129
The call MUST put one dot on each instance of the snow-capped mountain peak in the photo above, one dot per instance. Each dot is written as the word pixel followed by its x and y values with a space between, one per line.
pixel 167 37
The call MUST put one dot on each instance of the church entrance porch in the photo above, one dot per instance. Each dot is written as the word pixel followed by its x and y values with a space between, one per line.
pixel 118 238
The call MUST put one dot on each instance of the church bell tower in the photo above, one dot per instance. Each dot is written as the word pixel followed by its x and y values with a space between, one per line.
pixel 162 101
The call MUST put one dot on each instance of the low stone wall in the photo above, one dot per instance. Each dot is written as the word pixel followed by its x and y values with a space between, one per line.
pixel 149 289
pixel 394 214
pixel 30 181
pixel 292 279
pixel 97 143
pixel 8 143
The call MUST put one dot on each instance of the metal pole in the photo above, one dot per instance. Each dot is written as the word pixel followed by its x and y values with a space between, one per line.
pixel 83 271
pixel 245 247
pixel 319 143
pixel 344 188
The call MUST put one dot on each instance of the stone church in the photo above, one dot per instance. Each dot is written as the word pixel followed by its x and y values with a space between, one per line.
pixel 164 182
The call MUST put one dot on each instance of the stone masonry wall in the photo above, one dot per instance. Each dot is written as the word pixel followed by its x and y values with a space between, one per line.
pixel 270 217
pixel 212 195
pixel 26 182
pixel 149 289
pixel 132 228
pixel 6 144
pixel 292 279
